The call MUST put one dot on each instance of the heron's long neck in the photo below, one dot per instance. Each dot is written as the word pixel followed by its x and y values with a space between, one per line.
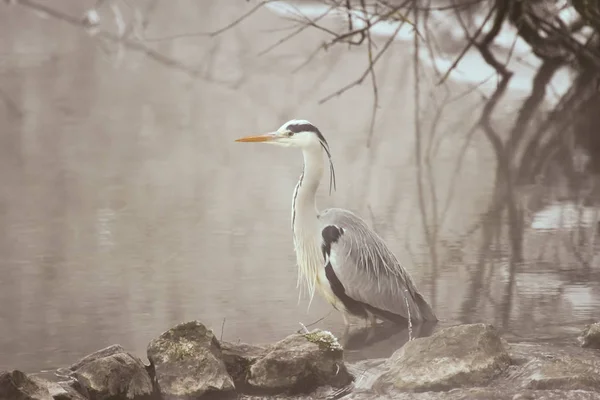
pixel 304 207
pixel 305 222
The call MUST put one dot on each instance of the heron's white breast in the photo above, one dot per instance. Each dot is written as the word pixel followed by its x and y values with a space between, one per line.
pixel 307 255
pixel 325 286
pixel 325 289
pixel 311 265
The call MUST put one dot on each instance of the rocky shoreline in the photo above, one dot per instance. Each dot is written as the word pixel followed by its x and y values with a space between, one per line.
pixel 460 362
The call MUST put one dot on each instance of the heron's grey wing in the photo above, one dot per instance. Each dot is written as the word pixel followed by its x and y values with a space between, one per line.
pixel 362 269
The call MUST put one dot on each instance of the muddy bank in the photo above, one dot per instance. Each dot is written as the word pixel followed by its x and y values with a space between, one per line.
pixel 459 362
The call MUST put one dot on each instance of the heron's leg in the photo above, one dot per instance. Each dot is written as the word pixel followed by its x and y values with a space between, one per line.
pixel 345 335
pixel 372 320
pixel 346 329
pixel 346 320
pixel 370 325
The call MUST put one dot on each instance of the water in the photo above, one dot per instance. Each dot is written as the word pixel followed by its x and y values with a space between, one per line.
pixel 126 207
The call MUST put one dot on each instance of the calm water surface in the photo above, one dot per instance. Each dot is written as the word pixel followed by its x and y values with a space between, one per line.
pixel 126 207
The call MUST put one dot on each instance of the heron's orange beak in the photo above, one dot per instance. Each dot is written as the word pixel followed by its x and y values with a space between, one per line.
pixel 267 137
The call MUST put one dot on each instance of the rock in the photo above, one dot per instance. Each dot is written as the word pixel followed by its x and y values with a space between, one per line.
pixel 16 385
pixel 238 358
pixel 457 356
pixel 72 386
pixel 547 367
pixel 105 352
pixel 366 372
pixel 188 363
pixel 479 394
pixel 112 373
pixel 591 336
pixel 57 390
pixel 62 391
pixel 300 363
pixel 565 373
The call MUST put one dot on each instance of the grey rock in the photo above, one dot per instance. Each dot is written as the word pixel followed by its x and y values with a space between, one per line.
pixel 59 390
pixel 536 370
pixel 300 363
pixel 62 391
pixel 590 337
pixel 545 367
pixel 113 374
pixel 366 372
pixel 457 356
pixel 238 358
pixel 72 385
pixel 16 385
pixel 105 352
pixel 566 373
pixel 479 394
pixel 188 363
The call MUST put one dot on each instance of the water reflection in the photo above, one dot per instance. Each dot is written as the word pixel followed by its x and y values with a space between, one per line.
pixel 382 340
pixel 126 208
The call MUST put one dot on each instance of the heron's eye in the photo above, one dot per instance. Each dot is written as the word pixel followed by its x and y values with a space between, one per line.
pixel 290 133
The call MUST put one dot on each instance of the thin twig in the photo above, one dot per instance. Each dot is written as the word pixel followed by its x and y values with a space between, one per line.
pixel 218 31
pixel 295 33
pixel 474 88
pixel 366 72
pixel 132 45
pixel 373 81
pixel 283 40
pixel 451 7
pixel 457 168
pixel 311 57
pixel 320 319
pixel 303 328
pixel 467 47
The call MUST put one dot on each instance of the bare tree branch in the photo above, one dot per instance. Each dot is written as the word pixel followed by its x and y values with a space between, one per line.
pixel 219 31
pixel 132 45
pixel 470 43
pixel 372 62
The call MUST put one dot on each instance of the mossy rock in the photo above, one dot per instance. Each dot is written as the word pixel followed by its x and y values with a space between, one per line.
pixel 300 363
pixel 325 340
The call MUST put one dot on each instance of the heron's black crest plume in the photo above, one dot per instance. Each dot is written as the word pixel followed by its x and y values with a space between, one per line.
pixel 307 127
pixel 331 170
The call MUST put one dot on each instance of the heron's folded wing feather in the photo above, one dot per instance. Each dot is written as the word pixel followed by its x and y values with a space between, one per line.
pixel 369 271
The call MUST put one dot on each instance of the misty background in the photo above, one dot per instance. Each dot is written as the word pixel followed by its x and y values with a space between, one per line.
pixel 126 207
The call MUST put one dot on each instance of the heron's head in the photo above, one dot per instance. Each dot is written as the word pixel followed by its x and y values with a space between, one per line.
pixel 295 133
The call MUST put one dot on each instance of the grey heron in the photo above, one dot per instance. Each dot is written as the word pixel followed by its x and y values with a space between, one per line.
pixel 336 251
